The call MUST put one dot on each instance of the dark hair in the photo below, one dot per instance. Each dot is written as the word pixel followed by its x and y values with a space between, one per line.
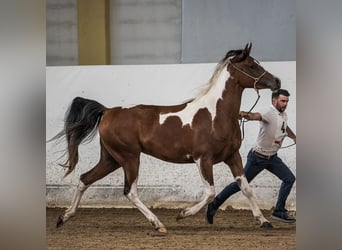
pixel 277 93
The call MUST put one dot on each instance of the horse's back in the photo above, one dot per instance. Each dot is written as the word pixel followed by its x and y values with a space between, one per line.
pixel 121 121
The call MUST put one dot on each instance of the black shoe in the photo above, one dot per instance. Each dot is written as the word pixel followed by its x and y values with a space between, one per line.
pixel 283 217
pixel 210 213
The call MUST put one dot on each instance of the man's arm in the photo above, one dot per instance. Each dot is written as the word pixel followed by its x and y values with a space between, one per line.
pixel 250 116
pixel 290 134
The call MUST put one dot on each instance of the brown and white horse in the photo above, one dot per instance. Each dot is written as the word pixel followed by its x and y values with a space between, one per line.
pixel 204 130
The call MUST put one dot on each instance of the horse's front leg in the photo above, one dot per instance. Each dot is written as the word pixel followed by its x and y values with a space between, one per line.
pixel 131 170
pixel 235 164
pixel 205 167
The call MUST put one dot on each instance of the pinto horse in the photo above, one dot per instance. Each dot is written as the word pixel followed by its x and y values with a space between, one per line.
pixel 204 131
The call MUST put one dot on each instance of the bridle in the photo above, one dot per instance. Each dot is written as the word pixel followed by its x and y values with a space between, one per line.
pixel 256 79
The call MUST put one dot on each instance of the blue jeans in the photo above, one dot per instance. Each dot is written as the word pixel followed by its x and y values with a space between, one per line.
pixel 254 166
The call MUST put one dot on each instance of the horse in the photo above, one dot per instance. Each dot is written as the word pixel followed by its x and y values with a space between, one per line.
pixel 204 130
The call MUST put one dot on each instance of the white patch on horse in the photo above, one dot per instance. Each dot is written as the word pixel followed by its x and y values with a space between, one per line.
pixel 209 190
pixel 244 186
pixel 128 106
pixel 207 100
pixel 209 194
pixel 247 191
pixel 133 197
pixel 81 188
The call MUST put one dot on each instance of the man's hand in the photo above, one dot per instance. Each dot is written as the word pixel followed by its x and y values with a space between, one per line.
pixel 250 116
pixel 242 114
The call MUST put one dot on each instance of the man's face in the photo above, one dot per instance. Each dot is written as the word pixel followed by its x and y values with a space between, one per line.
pixel 280 103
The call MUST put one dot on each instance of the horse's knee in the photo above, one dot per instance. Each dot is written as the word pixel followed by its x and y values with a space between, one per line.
pixel 130 191
pixel 132 196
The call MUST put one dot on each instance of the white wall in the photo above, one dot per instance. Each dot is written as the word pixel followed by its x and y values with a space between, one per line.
pixel 160 183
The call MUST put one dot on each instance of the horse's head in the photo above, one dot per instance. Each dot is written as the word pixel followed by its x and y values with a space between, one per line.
pixel 248 71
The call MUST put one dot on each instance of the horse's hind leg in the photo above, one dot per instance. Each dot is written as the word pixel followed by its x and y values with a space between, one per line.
pixel 105 166
pixel 131 169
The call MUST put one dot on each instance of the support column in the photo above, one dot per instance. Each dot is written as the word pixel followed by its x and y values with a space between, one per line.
pixel 93 32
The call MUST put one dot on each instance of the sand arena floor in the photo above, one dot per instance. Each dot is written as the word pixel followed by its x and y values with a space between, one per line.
pixel 117 228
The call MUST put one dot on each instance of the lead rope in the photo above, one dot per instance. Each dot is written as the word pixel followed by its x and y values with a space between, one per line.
pixel 243 120
pixel 288 145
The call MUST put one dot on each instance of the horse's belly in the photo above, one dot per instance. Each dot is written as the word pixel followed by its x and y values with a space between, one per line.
pixel 169 151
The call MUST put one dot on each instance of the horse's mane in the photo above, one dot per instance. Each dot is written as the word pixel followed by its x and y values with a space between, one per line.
pixel 218 69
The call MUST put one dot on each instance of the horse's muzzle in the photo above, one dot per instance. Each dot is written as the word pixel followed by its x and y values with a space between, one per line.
pixel 277 84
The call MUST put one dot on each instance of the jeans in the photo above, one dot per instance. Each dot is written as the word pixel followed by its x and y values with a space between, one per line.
pixel 254 166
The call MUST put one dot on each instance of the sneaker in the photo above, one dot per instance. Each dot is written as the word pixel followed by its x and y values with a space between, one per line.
pixel 210 213
pixel 283 217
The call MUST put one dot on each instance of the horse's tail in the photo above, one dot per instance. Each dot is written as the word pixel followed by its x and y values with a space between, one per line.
pixel 81 121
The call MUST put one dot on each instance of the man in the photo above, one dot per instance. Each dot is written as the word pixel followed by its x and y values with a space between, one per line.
pixel 273 130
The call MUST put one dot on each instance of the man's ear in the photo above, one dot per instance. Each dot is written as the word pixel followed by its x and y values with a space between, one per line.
pixel 274 100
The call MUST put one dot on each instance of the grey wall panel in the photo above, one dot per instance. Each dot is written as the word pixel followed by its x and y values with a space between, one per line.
pixel 145 31
pixel 61 32
pixel 210 28
pixel 179 31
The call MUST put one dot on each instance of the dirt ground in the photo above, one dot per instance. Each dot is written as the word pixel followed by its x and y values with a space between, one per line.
pixel 113 228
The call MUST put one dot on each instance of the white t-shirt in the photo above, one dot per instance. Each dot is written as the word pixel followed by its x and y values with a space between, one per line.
pixel 272 131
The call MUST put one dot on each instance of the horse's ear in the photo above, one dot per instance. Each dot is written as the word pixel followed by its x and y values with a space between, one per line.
pixel 249 48
pixel 245 50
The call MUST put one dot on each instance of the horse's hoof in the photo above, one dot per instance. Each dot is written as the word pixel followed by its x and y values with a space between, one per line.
pixel 162 230
pixel 266 224
pixel 60 221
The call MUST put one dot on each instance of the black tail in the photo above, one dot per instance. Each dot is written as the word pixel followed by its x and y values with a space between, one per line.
pixel 81 120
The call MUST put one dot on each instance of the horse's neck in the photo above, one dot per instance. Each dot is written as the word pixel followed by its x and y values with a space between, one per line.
pixel 231 100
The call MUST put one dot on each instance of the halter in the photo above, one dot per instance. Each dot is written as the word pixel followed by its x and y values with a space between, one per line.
pixel 256 79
